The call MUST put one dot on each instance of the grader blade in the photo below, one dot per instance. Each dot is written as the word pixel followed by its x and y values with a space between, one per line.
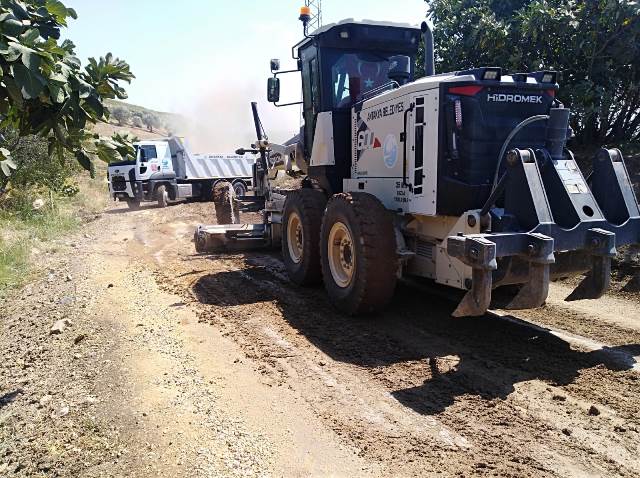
pixel 231 237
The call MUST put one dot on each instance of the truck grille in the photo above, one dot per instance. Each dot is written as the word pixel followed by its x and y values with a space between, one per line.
pixel 118 183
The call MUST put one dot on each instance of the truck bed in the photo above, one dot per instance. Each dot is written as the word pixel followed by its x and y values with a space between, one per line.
pixel 218 166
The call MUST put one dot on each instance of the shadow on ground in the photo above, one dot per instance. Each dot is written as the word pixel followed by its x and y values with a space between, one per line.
pixel 492 354
pixel 9 397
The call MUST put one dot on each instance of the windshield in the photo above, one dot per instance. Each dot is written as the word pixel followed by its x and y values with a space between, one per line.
pixel 353 74
pixel 146 152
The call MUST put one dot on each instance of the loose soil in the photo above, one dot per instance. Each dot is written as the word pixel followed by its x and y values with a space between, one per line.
pixel 180 364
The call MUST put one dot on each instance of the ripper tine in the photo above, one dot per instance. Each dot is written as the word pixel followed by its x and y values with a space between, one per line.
pixel 534 292
pixel 596 283
pixel 476 301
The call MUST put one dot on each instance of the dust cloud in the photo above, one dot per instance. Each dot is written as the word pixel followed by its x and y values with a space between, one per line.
pixel 219 120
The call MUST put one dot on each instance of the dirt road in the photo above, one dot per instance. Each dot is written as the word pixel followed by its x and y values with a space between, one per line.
pixel 177 364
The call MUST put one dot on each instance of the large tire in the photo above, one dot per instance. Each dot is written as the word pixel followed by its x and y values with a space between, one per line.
pixel 133 204
pixel 358 252
pixel 224 200
pixel 301 221
pixel 162 196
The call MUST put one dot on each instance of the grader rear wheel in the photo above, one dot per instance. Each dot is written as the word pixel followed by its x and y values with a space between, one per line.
pixel 358 252
pixel 301 221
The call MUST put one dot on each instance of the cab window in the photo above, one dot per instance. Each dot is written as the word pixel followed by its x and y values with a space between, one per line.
pixel 353 74
pixel 147 152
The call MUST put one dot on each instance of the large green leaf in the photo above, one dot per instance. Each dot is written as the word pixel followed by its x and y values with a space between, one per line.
pixel 15 95
pixel 59 11
pixel 44 89
pixel 31 83
pixel 30 36
pixel 57 93
pixel 32 60
pixel 10 25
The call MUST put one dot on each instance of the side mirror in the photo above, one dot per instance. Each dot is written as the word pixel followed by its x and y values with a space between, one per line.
pixel 400 68
pixel 143 155
pixel 275 64
pixel 273 89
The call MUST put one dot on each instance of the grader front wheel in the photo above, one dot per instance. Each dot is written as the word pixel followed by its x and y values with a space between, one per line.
pixel 224 200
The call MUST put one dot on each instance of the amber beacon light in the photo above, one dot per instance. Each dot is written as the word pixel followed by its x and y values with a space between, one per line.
pixel 305 14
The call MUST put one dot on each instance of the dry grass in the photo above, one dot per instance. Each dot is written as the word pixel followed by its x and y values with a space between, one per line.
pixel 25 231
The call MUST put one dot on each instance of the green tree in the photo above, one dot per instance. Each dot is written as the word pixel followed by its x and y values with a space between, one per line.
pixel 137 121
pixel 121 114
pixel 34 167
pixel 150 121
pixel 595 44
pixel 44 89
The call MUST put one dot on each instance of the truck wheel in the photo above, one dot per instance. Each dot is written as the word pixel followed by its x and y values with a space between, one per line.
pixel 224 201
pixel 240 188
pixel 358 252
pixel 301 222
pixel 133 204
pixel 162 195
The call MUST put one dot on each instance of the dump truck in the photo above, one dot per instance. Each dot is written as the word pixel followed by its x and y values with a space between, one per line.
pixel 164 170
pixel 461 178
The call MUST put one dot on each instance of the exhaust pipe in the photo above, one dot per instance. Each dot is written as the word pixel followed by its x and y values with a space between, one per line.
pixel 557 128
pixel 427 35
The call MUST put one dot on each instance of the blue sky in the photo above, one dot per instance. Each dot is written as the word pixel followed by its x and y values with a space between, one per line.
pixel 208 59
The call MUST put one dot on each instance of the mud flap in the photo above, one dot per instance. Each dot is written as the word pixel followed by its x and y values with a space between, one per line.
pixel 480 254
pixel 597 281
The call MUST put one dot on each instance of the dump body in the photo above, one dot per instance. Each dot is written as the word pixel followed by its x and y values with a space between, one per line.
pixel 219 166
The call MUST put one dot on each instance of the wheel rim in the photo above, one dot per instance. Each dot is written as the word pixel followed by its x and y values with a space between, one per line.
pixel 295 237
pixel 341 253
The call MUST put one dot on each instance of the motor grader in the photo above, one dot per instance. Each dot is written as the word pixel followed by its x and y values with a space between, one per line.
pixel 463 178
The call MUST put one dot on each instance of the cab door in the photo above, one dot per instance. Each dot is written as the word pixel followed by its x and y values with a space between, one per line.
pixel 310 96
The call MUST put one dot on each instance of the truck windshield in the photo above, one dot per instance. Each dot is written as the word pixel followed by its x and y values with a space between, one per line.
pixel 147 152
pixel 353 74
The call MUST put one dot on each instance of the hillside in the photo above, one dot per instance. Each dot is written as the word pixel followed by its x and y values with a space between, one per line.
pixel 136 120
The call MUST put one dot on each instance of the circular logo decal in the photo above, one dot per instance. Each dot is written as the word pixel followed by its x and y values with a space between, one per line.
pixel 390 151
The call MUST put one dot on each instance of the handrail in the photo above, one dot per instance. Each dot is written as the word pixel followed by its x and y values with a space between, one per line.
pixel 404 160
pixel 378 89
